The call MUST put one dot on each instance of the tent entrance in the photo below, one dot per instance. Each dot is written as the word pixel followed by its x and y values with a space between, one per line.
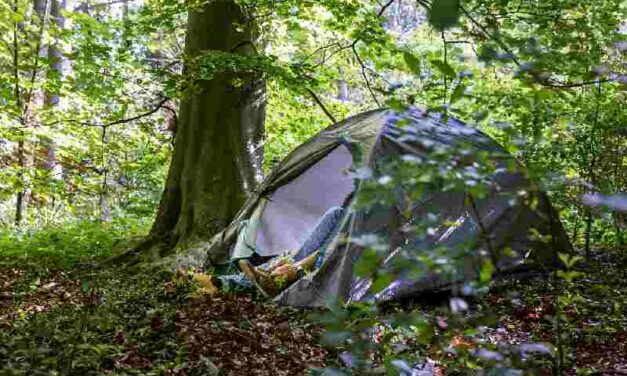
pixel 285 218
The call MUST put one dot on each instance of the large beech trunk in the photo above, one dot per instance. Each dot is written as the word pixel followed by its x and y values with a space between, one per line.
pixel 218 154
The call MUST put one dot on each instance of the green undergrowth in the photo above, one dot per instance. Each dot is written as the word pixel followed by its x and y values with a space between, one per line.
pixel 62 312
pixel 85 321
pixel 68 244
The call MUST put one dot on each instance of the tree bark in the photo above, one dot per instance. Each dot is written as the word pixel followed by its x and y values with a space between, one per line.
pixel 55 53
pixel 218 154
pixel 56 71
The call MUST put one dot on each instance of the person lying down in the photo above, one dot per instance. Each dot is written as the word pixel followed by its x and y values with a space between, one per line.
pixel 273 276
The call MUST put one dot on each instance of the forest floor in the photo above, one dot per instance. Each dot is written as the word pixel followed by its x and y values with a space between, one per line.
pixel 85 319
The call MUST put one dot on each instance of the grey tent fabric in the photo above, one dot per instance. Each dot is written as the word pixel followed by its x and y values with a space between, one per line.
pixel 495 227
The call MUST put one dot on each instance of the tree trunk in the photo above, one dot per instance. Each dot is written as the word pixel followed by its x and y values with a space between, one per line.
pixel 27 99
pixel 218 155
pixel 56 71
pixel 55 53
pixel 103 197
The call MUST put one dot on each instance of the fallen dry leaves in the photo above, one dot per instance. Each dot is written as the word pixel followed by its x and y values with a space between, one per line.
pixel 40 295
pixel 242 336
pixel 608 355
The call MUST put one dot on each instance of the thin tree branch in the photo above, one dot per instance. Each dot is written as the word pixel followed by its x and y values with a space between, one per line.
pixel 322 106
pixel 385 7
pixel 354 42
pixel 569 85
pixel 159 106
pixel 318 50
pixel 172 111
pixel 16 69
pixel 97 5
pixel 242 44
pixel 484 233
pixel 487 33
pixel 365 76
pixel 8 45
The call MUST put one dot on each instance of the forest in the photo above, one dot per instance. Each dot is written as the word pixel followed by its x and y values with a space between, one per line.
pixel 313 187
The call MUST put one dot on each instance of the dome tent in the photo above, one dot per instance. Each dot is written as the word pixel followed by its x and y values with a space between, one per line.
pixel 316 177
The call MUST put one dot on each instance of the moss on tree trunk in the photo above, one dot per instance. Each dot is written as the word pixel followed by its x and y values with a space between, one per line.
pixel 217 156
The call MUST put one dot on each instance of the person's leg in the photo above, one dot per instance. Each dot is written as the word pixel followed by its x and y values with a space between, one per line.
pixel 234 282
pixel 271 277
pixel 261 280
pixel 290 271
pixel 270 284
pixel 321 233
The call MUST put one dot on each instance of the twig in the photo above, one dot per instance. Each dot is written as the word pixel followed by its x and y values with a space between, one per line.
pixel 445 62
pixel 121 121
pixel 385 7
pixel 319 102
pixel 242 44
pixel 8 45
pixel 97 5
pixel 16 72
pixel 18 102
pixel 348 46
pixel 487 33
pixel 365 76
pixel 591 176
pixel 318 50
pixel 570 85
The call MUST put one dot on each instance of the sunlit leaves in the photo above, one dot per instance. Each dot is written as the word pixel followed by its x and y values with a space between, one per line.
pixel 458 93
pixel 485 274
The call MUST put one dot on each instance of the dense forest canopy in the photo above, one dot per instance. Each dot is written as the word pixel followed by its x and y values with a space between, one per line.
pixel 90 90
pixel 158 118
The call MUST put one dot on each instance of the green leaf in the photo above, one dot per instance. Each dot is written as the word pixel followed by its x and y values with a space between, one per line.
pixel 413 63
pixel 18 16
pixel 444 14
pixel 569 261
pixel 381 281
pixel 425 331
pixel 444 68
pixel 396 105
pixel 480 116
pixel 458 93
pixel 367 263
pixel 485 275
